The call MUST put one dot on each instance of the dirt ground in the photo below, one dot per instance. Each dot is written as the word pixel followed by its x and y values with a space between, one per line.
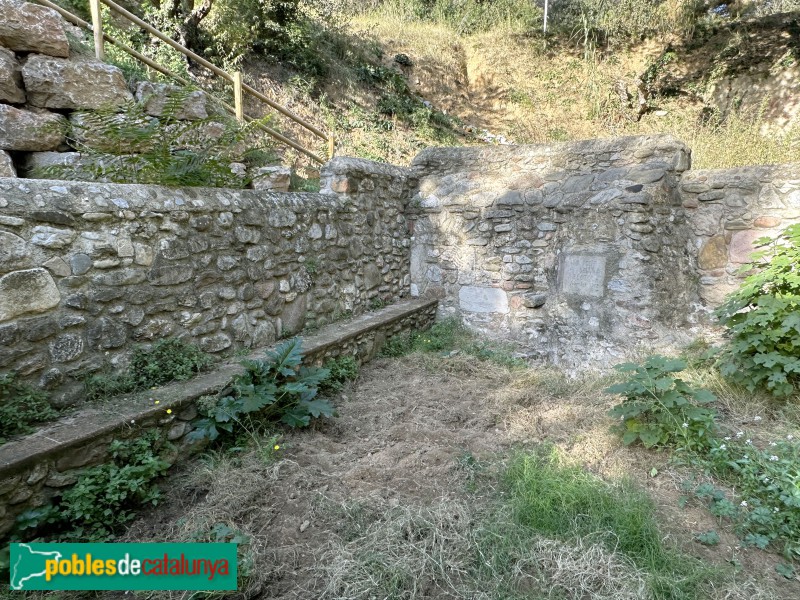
pixel 404 431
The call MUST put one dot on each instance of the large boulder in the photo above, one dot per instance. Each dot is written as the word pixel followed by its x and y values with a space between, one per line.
pixel 132 135
pixel 69 165
pixel 11 90
pixel 155 97
pixel 86 84
pixel 25 130
pixel 29 291
pixel 26 27
pixel 6 165
pixel 273 179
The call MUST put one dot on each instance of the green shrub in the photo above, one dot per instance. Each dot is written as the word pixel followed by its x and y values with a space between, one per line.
pixel 341 370
pixel 165 361
pixel 21 406
pixel 276 389
pixel 104 498
pixel 662 410
pixel 763 320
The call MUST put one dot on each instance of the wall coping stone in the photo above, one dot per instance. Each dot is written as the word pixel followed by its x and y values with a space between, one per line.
pixel 93 422
pixel 437 157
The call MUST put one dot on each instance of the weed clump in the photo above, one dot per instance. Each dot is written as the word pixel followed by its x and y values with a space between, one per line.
pixel 21 406
pixel 165 361
pixel 105 497
pixel 660 409
pixel 276 389
pixel 340 370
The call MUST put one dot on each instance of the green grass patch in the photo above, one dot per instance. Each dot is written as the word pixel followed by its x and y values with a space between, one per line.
pixel 564 501
pixel 450 336
pixel 538 529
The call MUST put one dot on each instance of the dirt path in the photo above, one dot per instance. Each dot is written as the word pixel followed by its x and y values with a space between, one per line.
pixel 396 441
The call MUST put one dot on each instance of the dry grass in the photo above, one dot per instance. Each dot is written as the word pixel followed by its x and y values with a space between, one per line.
pixel 511 84
pixel 430 552
pixel 216 500
pixel 401 496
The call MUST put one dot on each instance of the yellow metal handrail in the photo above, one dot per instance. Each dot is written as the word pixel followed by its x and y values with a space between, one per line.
pixel 239 87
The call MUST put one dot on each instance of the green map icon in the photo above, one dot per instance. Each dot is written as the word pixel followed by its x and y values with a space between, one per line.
pixel 28 564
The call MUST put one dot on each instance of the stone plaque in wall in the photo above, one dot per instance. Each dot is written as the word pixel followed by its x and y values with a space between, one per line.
pixel 479 299
pixel 584 275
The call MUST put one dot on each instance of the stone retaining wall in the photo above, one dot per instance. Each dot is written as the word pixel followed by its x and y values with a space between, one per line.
pixel 587 251
pixel 728 209
pixel 576 250
pixel 39 467
pixel 88 270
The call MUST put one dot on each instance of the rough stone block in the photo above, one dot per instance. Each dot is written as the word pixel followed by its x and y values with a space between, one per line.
pixel 293 316
pixel 74 84
pixel 6 165
pixel 51 237
pixel 11 90
pixel 28 27
pixel 14 253
pixel 713 254
pixel 28 291
pixel 25 130
pixel 741 246
pixel 155 97
pixel 36 161
pixel 275 179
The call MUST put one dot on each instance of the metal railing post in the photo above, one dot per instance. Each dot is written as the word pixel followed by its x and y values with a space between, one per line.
pixel 238 100
pixel 97 28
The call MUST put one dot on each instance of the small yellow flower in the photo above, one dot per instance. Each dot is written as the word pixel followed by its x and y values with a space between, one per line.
pixel 158 401
pixel 276 447
pixel 169 411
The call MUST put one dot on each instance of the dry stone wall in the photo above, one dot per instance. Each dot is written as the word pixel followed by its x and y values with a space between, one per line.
pixel 42 79
pixel 89 270
pixel 727 210
pixel 37 469
pixel 47 84
pixel 588 251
